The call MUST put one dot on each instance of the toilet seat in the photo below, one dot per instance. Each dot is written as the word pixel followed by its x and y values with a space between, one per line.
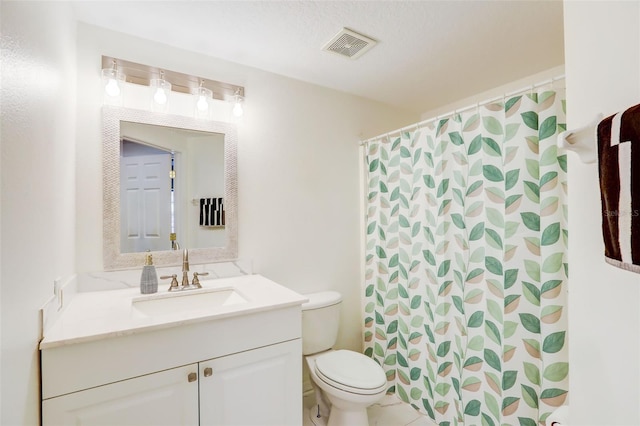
pixel 351 372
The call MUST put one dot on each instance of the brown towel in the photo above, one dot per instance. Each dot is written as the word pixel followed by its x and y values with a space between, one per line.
pixel 619 168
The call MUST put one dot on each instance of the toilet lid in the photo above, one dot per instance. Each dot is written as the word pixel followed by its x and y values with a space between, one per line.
pixel 351 371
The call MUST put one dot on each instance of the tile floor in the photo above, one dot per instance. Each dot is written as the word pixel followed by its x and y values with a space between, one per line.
pixel 390 411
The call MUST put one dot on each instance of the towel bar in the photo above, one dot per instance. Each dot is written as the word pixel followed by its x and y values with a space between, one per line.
pixel 582 141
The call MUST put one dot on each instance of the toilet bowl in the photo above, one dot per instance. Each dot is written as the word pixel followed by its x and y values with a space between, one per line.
pixel 345 382
pixel 350 381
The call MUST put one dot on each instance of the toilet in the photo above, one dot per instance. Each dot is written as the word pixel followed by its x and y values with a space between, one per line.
pixel 345 382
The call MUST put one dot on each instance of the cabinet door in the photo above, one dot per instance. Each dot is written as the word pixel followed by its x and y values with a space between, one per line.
pixel 165 398
pixel 261 387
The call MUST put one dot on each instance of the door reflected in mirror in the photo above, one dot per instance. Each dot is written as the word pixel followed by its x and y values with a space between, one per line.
pixel 171 188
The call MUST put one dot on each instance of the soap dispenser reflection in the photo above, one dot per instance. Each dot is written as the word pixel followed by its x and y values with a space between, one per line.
pixel 149 278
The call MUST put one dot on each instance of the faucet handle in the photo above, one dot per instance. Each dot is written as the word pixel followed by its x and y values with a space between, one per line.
pixel 196 281
pixel 174 281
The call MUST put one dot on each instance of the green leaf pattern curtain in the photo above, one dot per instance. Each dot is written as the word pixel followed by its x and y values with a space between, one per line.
pixel 466 239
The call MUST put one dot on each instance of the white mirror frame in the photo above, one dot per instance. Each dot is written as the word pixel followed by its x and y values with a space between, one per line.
pixel 112 257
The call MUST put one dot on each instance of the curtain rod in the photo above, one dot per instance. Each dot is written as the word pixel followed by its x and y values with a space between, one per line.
pixel 456 111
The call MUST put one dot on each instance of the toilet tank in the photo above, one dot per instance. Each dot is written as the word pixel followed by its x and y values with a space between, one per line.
pixel 320 321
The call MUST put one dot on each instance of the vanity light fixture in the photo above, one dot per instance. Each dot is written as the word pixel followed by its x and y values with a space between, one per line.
pixel 160 91
pixel 162 82
pixel 238 109
pixel 112 80
pixel 202 98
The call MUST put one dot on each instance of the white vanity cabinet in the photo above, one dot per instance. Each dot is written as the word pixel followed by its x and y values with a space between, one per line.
pixel 242 370
pixel 164 398
pixel 258 387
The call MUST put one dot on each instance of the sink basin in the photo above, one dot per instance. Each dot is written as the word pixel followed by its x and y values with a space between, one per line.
pixel 186 301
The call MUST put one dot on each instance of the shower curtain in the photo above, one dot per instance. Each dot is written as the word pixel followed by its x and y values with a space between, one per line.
pixel 465 276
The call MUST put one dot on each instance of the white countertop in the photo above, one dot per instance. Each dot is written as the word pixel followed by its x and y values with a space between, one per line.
pixel 103 314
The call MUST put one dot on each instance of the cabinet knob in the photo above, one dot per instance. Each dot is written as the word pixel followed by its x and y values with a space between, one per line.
pixel 192 377
pixel 208 372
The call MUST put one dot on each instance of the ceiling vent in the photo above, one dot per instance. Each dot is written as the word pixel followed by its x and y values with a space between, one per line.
pixel 349 43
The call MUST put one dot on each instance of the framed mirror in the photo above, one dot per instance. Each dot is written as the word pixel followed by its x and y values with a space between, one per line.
pixel 169 183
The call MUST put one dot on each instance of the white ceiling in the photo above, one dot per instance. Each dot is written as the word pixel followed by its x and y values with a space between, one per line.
pixel 429 53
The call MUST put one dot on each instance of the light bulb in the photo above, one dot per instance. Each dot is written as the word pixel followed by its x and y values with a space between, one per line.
pixel 160 97
pixel 112 88
pixel 160 92
pixel 112 80
pixel 202 103
pixel 237 110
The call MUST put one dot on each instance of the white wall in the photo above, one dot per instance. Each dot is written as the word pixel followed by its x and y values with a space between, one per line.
pixel 602 48
pixel 37 196
pixel 297 166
